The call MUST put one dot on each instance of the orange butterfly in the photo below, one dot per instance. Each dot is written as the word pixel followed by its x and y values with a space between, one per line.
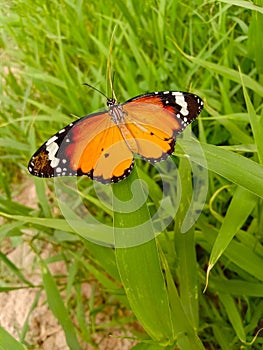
pixel 101 145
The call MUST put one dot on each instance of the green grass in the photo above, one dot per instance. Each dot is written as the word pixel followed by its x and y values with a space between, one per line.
pixel 48 49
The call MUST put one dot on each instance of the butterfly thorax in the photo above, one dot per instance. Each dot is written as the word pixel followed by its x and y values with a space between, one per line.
pixel 115 111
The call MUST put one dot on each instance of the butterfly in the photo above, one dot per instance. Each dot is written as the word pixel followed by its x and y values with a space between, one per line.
pixel 102 145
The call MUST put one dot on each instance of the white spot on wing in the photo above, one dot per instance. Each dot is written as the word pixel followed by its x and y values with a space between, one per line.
pixel 52 149
pixel 61 131
pixel 179 99
pixel 54 162
pixel 52 139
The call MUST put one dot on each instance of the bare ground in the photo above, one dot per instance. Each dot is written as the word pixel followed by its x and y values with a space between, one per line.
pixel 44 331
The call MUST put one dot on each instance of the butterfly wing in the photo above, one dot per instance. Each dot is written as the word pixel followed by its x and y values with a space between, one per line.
pixel 103 149
pixel 155 119
pixel 91 146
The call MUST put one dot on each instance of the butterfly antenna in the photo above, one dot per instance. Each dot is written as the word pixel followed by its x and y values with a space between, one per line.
pixel 109 63
pixel 93 87
pixel 113 94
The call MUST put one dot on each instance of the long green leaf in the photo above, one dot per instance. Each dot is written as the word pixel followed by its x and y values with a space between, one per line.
pixel 138 262
pixel 234 167
pixel 7 342
pixel 154 300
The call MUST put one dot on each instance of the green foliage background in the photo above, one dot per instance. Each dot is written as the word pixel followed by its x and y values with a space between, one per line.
pixel 213 48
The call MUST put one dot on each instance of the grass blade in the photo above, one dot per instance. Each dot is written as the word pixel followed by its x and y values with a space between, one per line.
pixel 226 163
pixel 7 342
pixel 239 209
pixel 139 265
pixel 57 306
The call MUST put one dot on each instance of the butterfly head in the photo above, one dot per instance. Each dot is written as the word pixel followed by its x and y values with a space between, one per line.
pixel 111 102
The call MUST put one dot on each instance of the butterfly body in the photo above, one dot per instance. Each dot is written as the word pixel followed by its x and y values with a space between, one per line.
pixel 102 145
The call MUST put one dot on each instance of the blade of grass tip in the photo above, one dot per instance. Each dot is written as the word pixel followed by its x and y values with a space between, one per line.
pixel 7 342
pixel 138 261
pixel 238 211
pixel 236 252
pixel 255 122
pixel 57 306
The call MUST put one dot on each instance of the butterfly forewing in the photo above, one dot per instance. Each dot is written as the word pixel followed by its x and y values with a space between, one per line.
pixel 175 109
pixel 101 146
